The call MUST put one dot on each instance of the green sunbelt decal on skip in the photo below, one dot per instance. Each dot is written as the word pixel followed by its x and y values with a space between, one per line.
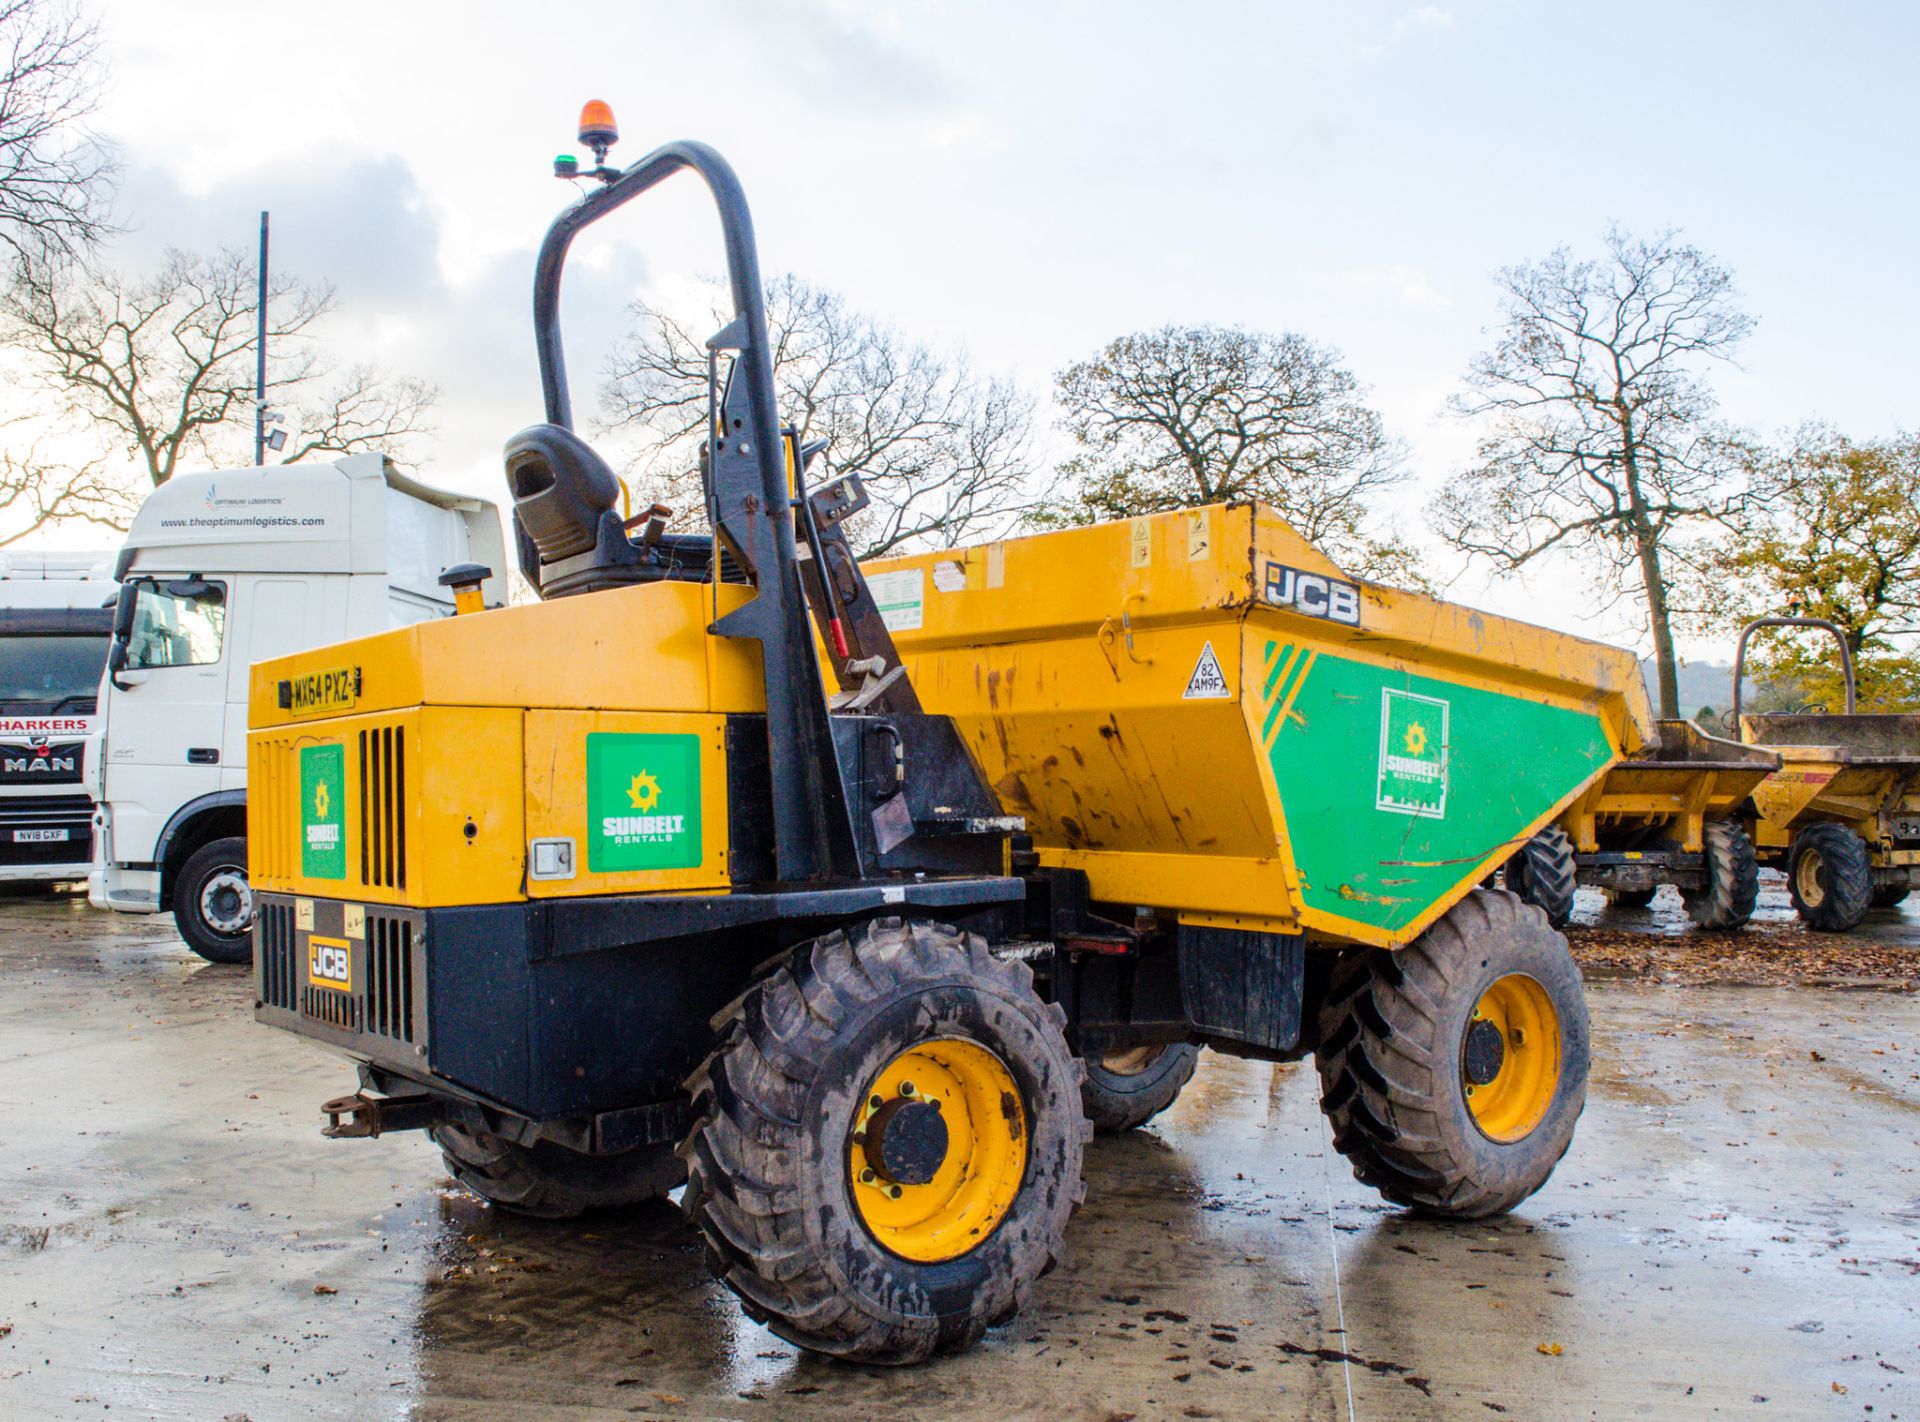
pixel 1395 786
pixel 323 812
pixel 643 801
pixel 1413 754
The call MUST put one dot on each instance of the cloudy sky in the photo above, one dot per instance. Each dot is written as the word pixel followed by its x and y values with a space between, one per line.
pixel 1029 180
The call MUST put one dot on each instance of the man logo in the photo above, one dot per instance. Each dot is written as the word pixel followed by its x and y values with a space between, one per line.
pixel 1313 594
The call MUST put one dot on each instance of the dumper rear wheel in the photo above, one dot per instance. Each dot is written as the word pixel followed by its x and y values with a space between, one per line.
pixel 1733 879
pixel 1830 877
pixel 1891 897
pixel 1129 1088
pixel 549 1181
pixel 1455 1069
pixel 888 1142
pixel 1543 873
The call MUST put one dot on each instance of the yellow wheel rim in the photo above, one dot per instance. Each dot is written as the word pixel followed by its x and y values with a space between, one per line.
pixel 1510 1058
pixel 932 1187
pixel 1806 878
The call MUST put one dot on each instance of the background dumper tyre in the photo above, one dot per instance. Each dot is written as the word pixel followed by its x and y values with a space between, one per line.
pixel 1128 1089
pixel 1891 897
pixel 209 892
pixel 1733 879
pixel 549 1181
pixel 771 1177
pixel 1543 873
pixel 1629 898
pixel 1394 1051
pixel 1830 877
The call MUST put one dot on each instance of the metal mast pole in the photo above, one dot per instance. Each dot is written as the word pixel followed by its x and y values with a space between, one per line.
pixel 260 359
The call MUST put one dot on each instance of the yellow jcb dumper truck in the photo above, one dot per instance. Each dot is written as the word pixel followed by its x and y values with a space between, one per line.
pixel 730 863
pixel 1840 817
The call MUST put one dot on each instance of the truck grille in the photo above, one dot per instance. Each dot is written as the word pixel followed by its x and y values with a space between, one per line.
pixel 336 1009
pixel 390 978
pixel 274 951
pixel 383 800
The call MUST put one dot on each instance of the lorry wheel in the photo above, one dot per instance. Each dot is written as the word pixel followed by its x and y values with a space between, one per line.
pixel 1891 897
pixel 1830 877
pixel 1542 873
pixel 1455 1069
pixel 1629 898
pixel 887 1142
pixel 1128 1089
pixel 212 905
pixel 1733 879
pixel 549 1181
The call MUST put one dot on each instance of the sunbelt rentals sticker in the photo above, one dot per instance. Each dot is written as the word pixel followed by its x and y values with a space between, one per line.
pixel 643 801
pixel 323 812
pixel 1413 754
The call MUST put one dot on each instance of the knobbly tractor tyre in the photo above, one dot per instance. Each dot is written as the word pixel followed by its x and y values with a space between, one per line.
pixel 888 1142
pixel 1733 880
pixel 1128 1088
pixel 550 1182
pixel 1891 896
pixel 1829 877
pixel 1629 898
pixel 1543 873
pixel 212 903
pixel 1455 1069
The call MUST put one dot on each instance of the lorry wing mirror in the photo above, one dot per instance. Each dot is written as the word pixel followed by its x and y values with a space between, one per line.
pixel 123 611
pixel 117 663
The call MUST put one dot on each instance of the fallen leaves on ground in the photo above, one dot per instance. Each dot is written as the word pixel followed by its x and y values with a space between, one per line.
pixel 1761 953
pixel 1552 1350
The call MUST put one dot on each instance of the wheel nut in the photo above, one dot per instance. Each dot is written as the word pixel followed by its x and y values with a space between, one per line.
pixel 876 1103
pixel 893 1192
pixel 906 1088
pixel 866 1177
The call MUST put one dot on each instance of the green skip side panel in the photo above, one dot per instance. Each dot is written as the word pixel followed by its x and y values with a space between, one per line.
pixel 1396 786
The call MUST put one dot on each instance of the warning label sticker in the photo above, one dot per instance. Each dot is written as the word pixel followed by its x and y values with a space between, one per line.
pixel 901 598
pixel 1208 682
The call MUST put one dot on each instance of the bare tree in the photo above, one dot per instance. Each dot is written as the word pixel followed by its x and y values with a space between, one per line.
pixel 35 493
pixel 1192 415
pixel 1600 430
pixel 942 450
pixel 54 176
pixel 163 365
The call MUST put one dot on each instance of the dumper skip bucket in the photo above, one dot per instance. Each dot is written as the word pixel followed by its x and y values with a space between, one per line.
pixel 1202 713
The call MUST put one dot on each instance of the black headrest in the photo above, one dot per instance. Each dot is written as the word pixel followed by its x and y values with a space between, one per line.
pixel 560 489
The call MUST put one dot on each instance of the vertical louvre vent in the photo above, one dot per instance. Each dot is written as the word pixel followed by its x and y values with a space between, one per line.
pixel 336 1009
pixel 389 978
pixel 383 800
pixel 277 968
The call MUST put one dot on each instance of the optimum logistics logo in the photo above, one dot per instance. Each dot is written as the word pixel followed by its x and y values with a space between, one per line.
pixel 323 803
pixel 643 801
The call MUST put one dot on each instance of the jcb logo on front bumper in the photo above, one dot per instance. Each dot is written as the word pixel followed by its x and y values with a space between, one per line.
pixel 329 963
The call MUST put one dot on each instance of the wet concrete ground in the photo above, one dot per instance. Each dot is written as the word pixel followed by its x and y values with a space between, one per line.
pixel 1735 1234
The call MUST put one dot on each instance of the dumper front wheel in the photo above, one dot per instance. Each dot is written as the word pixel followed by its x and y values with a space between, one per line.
pixel 1455 1069
pixel 1129 1088
pixel 1543 873
pixel 888 1142
pixel 549 1181
pixel 1733 879
pixel 1830 877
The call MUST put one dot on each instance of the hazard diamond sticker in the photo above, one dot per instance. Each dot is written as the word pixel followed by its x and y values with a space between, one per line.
pixel 1208 682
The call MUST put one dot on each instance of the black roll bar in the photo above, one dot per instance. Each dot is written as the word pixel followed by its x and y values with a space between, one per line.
pixel 1740 654
pixel 750 504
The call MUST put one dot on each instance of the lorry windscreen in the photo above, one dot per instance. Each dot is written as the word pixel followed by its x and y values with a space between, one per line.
pixel 45 673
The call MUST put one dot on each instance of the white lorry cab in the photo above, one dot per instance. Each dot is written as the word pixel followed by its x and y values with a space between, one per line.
pixel 221 570
pixel 56 614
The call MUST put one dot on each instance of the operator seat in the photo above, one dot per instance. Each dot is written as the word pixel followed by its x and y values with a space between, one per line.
pixel 566 520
